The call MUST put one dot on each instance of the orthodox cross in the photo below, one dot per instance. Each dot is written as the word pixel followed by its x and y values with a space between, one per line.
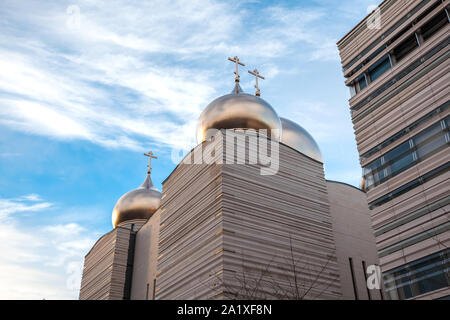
pixel 150 156
pixel 257 75
pixel 236 68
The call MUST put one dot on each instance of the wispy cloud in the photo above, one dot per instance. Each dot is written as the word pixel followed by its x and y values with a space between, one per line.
pixel 10 206
pixel 31 197
pixel 39 261
pixel 129 74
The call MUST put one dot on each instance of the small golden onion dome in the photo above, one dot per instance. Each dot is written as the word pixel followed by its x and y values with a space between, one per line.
pixel 138 204
pixel 238 110
pixel 299 139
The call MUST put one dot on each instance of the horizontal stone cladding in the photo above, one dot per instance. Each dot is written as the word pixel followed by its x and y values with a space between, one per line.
pixel 409 211
pixel 354 238
pixel 105 267
pixel 423 196
pixel 437 160
pixel 401 105
pixel 427 9
pixel 243 225
pixel 424 97
pixel 420 121
pixel 188 242
pixel 353 43
pixel 395 15
pixel 390 84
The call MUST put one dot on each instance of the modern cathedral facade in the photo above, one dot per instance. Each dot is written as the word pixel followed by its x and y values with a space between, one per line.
pixel 246 214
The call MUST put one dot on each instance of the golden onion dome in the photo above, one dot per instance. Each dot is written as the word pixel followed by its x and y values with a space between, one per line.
pixel 238 110
pixel 138 204
pixel 299 139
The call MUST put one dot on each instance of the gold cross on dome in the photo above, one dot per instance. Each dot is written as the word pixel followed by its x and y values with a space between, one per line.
pixel 150 157
pixel 257 75
pixel 236 68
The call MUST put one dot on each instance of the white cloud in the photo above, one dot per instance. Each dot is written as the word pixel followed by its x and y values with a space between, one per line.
pixel 25 283
pixel 133 74
pixel 39 261
pixel 10 206
pixel 31 197
pixel 64 230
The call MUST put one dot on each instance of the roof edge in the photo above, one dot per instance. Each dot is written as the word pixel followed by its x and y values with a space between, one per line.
pixel 345 184
pixel 359 25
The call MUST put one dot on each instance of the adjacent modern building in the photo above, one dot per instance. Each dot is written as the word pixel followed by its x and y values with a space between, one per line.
pixel 396 64
pixel 226 227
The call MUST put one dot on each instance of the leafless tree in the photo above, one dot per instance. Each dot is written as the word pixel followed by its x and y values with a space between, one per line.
pixel 283 278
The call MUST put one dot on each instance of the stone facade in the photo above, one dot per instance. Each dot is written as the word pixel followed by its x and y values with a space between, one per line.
pixel 399 75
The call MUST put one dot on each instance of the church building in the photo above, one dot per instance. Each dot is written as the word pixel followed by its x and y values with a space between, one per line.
pixel 247 214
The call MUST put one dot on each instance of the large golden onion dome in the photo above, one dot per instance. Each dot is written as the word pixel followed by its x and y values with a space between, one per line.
pixel 137 205
pixel 238 110
pixel 299 139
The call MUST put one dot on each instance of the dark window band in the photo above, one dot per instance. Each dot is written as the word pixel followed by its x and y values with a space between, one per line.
pixel 419 276
pixel 413 215
pixel 384 35
pixel 416 77
pixel 402 74
pixel 404 131
pixel 423 145
pixel 427 234
pixel 409 186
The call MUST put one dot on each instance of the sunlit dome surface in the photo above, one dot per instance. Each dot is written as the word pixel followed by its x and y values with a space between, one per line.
pixel 299 139
pixel 238 110
pixel 138 204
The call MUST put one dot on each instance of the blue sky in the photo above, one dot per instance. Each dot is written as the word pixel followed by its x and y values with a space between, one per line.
pixel 87 86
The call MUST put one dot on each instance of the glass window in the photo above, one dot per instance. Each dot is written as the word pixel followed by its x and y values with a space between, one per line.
pixel 404 156
pixel 379 68
pixel 434 25
pixel 401 164
pixel 418 277
pixel 372 166
pixel 409 186
pixel 397 152
pixel 405 47
pixel 377 52
pixel 405 130
pixel 398 35
pixel 428 11
pixel 427 134
pixel 362 81
pixel 371 173
pixel 432 146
